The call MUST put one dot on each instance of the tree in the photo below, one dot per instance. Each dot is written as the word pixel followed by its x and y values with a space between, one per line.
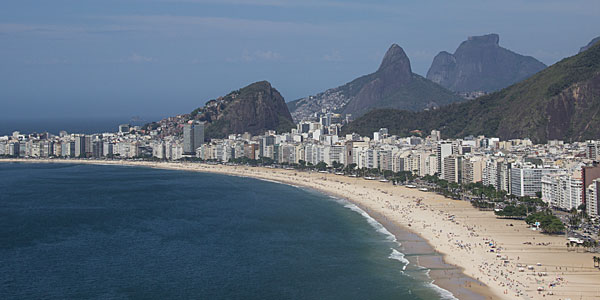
pixel 549 223
pixel 336 165
pixel 350 168
pixel 321 166
pixel 302 164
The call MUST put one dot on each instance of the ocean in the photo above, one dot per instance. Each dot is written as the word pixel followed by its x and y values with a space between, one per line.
pixel 71 231
pixel 70 125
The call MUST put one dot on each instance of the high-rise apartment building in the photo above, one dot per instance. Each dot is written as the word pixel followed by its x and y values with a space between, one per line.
pixel 452 168
pixel 527 180
pixel 193 137
pixel 80 143
pixel 593 199
pixel 444 149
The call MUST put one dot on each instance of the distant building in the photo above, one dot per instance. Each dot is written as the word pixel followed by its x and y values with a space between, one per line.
pixel 593 150
pixel 452 168
pixel 562 190
pixel 193 137
pixel 80 143
pixel 593 199
pixel 124 128
pixel 527 180
pixel 444 149
pixel 588 175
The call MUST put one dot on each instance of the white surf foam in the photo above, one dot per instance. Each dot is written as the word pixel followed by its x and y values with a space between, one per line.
pixel 378 227
pixel 399 256
pixel 444 294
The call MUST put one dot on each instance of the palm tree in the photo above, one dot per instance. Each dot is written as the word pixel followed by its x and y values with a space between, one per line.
pixel 586 245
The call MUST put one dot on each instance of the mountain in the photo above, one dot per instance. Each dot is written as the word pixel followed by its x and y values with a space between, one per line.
pixel 393 85
pixel 254 109
pixel 560 102
pixel 480 64
pixel 593 42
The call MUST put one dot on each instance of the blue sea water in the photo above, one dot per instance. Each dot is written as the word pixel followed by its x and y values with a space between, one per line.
pixel 108 232
pixel 70 125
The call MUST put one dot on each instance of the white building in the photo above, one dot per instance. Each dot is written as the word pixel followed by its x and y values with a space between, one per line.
pixel 527 180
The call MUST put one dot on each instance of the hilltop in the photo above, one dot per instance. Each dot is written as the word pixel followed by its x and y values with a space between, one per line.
pixel 560 102
pixel 393 85
pixel 480 64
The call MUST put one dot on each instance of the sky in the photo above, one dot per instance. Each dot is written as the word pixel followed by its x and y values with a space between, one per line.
pixel 155 58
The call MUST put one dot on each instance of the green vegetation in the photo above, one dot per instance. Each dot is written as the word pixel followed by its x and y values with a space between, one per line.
pixel 486 191
pixel 216 130
pixel 263 161
pixel 515 211
pixel 549 223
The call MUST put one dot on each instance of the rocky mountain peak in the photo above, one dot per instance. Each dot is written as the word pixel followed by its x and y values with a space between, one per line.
pixel 491 39
pixel 481 64
pixel 592 43
pixel 396 59
pixel 255 108
pixel 393 85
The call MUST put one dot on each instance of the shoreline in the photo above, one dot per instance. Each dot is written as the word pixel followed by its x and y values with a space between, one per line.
pixel 468 269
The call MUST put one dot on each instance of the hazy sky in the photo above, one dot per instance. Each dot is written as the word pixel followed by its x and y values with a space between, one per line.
pixel 94 58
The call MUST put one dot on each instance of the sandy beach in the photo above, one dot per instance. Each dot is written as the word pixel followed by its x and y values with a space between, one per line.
pixel 503 258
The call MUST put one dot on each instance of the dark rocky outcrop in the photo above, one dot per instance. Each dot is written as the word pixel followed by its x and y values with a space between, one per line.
pixel 254 109
pixel 590 44
pixel 560 102
pixel 480 64
pixel 393 85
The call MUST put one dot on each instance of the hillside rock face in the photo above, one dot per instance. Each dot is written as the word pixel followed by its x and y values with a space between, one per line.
pixel 592 43
pixel 254 109
pixel 393 85
pixel 480 64
pixel 561 102
pixel 393 73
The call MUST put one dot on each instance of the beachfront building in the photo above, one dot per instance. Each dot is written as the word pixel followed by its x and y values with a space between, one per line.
pixel 526 180
pixel 452 168
pixel 472 169
pixel 444 149
pixel 193 136
pixel 593 199
pixel 562 190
